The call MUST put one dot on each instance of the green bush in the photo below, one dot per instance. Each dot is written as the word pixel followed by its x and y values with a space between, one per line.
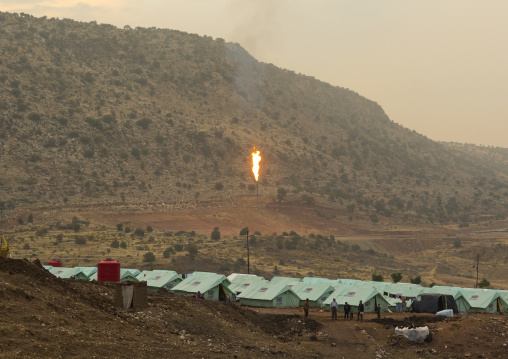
pixel 148 257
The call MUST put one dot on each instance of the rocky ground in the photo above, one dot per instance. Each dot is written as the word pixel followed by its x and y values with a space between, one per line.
pixel 43 316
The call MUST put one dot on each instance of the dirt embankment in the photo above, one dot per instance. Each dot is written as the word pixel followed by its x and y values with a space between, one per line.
pixel 43 316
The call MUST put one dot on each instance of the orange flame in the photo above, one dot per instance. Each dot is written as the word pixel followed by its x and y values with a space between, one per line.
pixel 256 158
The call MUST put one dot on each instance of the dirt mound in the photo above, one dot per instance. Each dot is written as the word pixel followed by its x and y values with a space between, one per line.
pixel 44 316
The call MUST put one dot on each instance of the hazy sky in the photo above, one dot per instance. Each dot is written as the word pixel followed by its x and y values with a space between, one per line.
pixel 439 67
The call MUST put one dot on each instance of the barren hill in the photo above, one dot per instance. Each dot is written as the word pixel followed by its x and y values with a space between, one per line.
pixel 92 113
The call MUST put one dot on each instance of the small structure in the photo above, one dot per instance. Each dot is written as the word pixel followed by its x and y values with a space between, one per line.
pixel 484 300
pixel 63 272
pixel 88 271
pixel 369 296
pixel 165 280
pixel 462 304
pixel 433 303
pixel 233 277
pixel 108 270
pixel 267 294
pixel 239 286
pixel 131 295
pixel 317 293
pixel 213 286
pixel 54 263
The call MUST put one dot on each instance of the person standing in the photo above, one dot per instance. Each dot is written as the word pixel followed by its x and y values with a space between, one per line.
pixel 306 307
pixel 361 308
pixel 403 304
pixel 378 311
pixel 334 305
pixel 347 309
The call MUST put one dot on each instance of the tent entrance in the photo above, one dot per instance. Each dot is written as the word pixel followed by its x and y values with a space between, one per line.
pixel 499 305
pixel 223 296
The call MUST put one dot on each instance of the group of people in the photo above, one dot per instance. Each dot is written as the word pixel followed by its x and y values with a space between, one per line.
pixel 196 296
pixel 348 310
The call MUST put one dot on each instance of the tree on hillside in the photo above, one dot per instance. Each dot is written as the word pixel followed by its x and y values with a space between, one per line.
pixel 244 231
pixel 484 283
pixel 193 250
pixel 281 193
pixel 139 232
pixel 377 277
pixel 396 277
pixel 148 257
pixel 416 280
pixel 215 235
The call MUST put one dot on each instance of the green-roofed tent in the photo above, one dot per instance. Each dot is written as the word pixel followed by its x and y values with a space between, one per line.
pixel 63 272
pixel 484 300
pixel 285 280
pixel 348 281
pixel 235 277
pixel 370 296
pixel 145 275
pixel 317 293
pixel 213 286
pixel 129 275
pixel 316 280
pixel 240 286
pixel 462 304
pixel 163 279
pixel 270 295
pixel 88 271
pixel 47 267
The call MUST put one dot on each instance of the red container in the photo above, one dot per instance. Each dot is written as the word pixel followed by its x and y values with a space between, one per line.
pixel 108 270
pixel 55 263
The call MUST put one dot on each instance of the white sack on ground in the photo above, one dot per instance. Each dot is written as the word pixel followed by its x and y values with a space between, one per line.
pixel 416 335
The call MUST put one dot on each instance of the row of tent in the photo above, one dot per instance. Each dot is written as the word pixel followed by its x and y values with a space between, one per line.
pixel 285 292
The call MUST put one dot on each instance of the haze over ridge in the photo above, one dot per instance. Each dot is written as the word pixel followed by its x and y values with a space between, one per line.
pixel 434 67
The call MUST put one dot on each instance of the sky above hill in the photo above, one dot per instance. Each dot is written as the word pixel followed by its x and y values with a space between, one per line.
pixel 437 67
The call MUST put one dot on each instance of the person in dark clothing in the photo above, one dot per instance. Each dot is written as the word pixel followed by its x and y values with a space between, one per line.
pixel 333 306
pixel 378 311
pixel 306 307
pixel 347 309
pixel 361 308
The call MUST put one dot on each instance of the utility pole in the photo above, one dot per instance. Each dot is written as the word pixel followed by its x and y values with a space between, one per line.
pixel 477 263
pixel 248 254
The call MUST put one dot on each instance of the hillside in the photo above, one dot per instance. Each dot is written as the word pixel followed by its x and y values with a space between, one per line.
pixel 92 113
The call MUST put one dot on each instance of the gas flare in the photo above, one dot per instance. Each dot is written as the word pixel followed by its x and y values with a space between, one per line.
pixel 256 158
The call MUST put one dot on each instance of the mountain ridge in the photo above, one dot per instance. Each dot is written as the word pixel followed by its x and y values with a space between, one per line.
pixel 94 113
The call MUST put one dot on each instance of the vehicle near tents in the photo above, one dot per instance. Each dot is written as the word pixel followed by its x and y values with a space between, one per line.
pixel 213 286
pixel 433 303
pixel 271 295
